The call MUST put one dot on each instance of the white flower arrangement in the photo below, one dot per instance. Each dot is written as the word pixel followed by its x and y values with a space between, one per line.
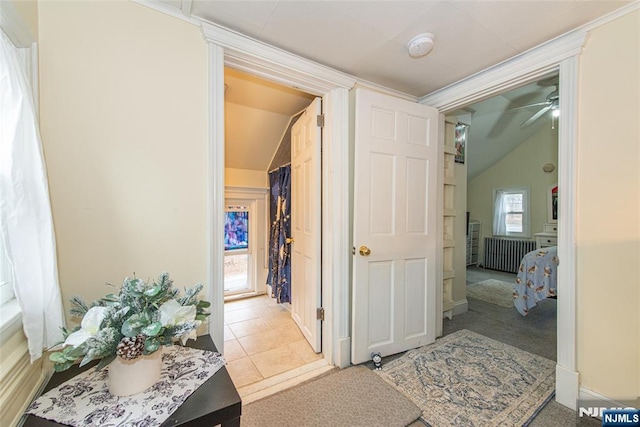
pixel 137 321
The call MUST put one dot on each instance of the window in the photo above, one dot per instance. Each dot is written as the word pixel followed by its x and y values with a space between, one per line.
pixel 236 228
pixel 10 314
pixel 6 289
pixel 237 259
pixel 510 213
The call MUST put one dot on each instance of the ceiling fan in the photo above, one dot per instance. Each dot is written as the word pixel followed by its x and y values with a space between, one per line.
pixel 551 103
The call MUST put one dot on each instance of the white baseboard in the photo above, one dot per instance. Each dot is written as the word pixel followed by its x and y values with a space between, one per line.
pixel 586 394
pixel 567 384
pixel 592 399
pixel 461 306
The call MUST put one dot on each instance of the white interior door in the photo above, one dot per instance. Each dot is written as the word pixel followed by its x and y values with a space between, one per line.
pixel 397 155
pixel 305 223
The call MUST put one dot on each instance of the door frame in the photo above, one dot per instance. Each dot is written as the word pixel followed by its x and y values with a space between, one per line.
pixel 557 56
pixel 231 49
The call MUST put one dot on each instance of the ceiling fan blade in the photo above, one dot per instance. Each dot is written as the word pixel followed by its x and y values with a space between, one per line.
pixel 549 81
pixel 536 116
pixel 529 106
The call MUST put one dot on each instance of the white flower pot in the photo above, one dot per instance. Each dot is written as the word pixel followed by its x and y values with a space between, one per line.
pixel 127 377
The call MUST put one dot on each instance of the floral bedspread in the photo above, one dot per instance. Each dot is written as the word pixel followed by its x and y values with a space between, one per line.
pixel 85 399
pixel 537 278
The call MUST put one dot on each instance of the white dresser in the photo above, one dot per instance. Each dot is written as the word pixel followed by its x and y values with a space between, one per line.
pixel 548 237
pixel 473 236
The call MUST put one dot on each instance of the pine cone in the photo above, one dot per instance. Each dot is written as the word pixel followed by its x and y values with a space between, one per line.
pixel 131 347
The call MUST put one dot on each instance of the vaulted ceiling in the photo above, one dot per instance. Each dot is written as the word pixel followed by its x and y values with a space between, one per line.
pixel 501 123
pixel 257 113
pixel 368 39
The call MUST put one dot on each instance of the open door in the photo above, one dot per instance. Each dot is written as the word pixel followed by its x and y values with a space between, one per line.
pixel 305 223
pixel 397 155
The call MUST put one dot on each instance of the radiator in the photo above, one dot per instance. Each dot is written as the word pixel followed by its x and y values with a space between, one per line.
pixel 505 254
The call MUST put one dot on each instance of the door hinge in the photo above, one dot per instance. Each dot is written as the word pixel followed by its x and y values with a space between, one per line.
pixel 320 314
pixel 320 119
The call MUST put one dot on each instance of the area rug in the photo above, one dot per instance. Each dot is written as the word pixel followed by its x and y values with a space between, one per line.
pixel 466 379
pixel 492 291
pixel 353 396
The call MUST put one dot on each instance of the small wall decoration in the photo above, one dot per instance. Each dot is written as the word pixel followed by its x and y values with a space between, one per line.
pixel 460 141
pixel 552 203
pixel 549 167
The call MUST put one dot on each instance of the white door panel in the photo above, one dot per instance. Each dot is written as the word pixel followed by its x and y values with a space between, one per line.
pixel 305 225
pixel 396 165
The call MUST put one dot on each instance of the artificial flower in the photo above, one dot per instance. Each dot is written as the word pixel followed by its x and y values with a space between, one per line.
pixel 88 328
pixel 172 313
pixel 138 320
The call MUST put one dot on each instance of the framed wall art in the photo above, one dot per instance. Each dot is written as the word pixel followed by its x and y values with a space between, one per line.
pixel 460 141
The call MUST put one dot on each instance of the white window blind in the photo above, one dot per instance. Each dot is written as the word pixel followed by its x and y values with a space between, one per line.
pixel 511 212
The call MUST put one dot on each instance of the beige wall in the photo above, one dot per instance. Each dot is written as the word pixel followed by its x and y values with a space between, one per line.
pixel 245 178
pixel 124 128
pixel 608 210
pixel 522 167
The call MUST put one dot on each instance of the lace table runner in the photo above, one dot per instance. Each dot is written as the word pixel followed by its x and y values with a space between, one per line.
pixel 85 399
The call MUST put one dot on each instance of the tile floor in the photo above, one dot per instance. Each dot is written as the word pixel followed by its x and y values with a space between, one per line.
pixel 262 340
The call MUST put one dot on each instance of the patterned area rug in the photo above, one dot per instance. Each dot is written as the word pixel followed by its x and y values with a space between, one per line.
pixel 349 397
pixel 466 379
pixel 493 291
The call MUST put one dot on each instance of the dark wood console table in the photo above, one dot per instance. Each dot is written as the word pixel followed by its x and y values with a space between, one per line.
pixel 214 402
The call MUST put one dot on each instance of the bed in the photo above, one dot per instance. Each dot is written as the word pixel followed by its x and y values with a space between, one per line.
pixel 537 278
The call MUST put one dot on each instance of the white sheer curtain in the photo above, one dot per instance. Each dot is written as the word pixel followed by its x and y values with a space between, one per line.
pixel 26 223
pixel 499 215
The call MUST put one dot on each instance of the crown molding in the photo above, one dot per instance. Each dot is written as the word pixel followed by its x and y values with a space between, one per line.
pixel 523 68
pixel 263 60
pixel 253 56
pixel 183 14
pixel 526 67
pixel 247 53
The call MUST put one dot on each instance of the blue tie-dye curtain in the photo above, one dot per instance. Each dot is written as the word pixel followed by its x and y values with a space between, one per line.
pixel 279 257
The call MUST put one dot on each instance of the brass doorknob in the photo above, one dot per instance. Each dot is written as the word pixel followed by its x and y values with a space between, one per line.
pixel 288 240
pixel 365 251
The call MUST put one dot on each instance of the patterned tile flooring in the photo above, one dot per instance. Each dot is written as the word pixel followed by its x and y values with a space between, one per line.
pixel 262 340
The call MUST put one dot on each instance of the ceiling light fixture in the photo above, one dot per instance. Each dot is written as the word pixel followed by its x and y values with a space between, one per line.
pixel 420 45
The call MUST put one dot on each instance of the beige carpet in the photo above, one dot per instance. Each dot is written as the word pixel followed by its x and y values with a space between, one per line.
pixel 467 379
pixel 354 396
pixel 493 291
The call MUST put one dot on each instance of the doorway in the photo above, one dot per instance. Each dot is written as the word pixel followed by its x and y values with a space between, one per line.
pixel 512 147
pixel 263 345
